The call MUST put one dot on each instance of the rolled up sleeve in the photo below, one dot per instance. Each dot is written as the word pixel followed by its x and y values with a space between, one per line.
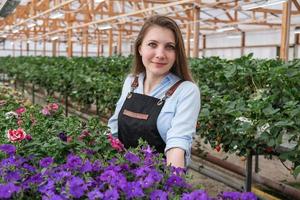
pixel 113 121
pixel 183 125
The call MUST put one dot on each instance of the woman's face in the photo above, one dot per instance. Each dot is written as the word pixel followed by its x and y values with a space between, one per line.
pixel 158 51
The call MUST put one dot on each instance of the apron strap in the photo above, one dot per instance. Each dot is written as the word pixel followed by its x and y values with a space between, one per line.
pixel 135 83
pixel 170 92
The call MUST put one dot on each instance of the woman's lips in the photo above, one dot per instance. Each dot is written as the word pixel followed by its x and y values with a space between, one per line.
pixel 159 64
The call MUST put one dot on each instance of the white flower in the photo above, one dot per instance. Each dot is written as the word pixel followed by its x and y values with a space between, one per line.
pixel 244 119
pixel 11 114
pixel 261 129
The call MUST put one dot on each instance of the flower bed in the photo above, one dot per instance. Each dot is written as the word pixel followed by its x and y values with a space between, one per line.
pixel 45 155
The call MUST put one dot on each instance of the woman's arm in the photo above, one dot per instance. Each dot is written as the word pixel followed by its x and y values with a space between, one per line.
pixel 175 157
pixel 183 125
pixel 113 121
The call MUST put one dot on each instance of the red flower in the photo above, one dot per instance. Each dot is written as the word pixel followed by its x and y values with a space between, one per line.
pixel 115 143
pixel 20 110
pixel 16 135
pixel 28 137
pixel 53 106
pixel 84 133
pixel 218 148
pixel 69 139
pixel 19 122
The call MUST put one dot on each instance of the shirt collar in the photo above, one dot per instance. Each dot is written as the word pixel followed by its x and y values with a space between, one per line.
pixel 169 78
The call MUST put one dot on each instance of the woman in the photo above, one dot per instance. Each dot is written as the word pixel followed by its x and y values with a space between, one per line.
pixel 159 101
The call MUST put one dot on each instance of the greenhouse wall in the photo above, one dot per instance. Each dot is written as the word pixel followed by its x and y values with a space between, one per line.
pixel 263 44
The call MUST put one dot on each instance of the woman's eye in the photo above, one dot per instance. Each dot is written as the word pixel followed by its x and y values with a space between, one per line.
pixel 152 44
pixel 170 47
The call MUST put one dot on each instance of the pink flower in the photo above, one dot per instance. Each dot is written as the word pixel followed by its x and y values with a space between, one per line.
pixel 45 111
pixel 20 110
pixel 50 109
pixel 69 139
pixel 115 143
pixel 19 122
pixel 84 133
pixel 53 106
pixel 16 135
pixel 2 102
pixel 28 137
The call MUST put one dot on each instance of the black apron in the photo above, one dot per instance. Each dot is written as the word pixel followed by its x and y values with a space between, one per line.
pixel 138 118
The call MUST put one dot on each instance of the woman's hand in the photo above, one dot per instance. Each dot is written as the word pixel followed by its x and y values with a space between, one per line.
pixel 175 157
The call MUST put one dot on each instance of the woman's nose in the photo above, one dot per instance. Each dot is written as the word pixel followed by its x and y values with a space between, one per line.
pixel 160 53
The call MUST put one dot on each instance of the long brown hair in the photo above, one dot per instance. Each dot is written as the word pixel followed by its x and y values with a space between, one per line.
pixel 180 67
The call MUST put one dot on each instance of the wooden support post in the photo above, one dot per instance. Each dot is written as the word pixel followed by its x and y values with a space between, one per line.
pixel 248 180
pixel 204 45
pixel 54 44
pixel 110 42
pixel 110 31
pixel 98 43
pixel 196 32
pixel 44 46
pixel 86 41
pixel 35 45
pixel 27 48
pixel 58 48
pixel 120 40
pixel 188 40
pixel 296 45
pixel 69 43
pixel 14 48
pixel 243 44
pixel 21 48
pixel 285 31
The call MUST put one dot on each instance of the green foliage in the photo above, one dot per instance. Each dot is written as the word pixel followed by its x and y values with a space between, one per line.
pixel 246 103
pixel 45 131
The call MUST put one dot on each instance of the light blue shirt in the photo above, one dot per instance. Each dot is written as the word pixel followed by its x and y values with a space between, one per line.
pixel 177 120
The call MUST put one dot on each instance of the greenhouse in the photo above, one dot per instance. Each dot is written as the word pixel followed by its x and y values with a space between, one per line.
pixel 150 99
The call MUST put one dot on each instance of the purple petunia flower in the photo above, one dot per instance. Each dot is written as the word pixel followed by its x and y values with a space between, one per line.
pixel 8 149
pixel 156 175
pixel 73 161
pixel 147 182
pixel 29 167
pixel 47 187
pixel 63 136
pixel 142 171
pixel 12 176
pixel 111 194
pixel 248 196
pixel 56 197
pixel 196 195
pixel 6 191
pixel 46 162
pixel 134 190
pixel 176 181
pixel 159 195
pixel 77 187
pixel 95 194
pixel 86 167
pixel 131 157
pixel 108 175
pixel 34 179
pixel 230 195
pixel 97 166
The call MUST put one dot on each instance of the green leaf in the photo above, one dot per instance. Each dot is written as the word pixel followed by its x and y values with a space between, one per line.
pixel 229 71
pixel 284 123
pixel 296 171
pixel 270 110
